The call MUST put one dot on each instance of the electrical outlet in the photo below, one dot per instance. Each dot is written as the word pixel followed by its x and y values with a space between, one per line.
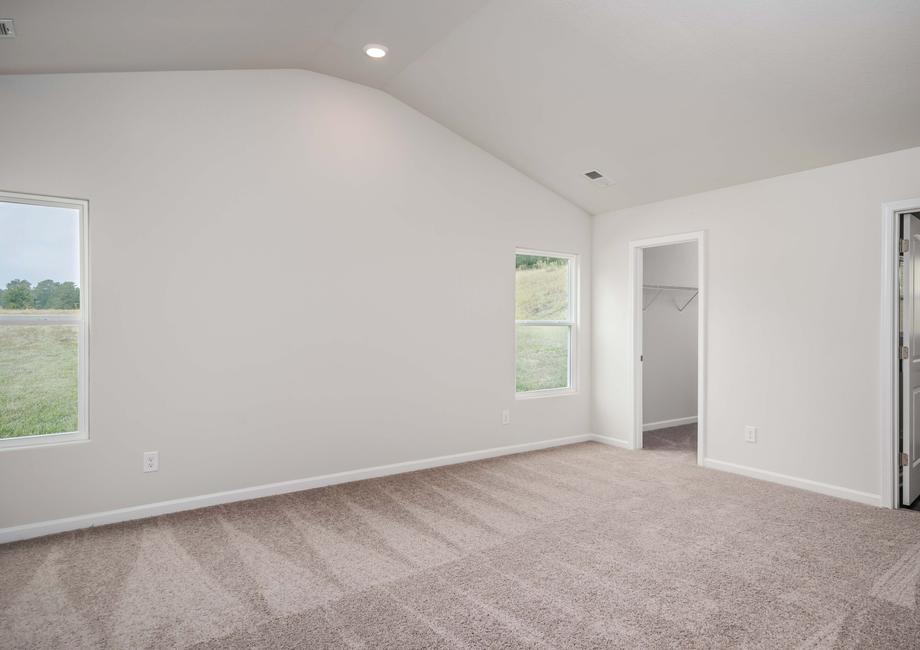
pixel 750 434
pixel 506 417
pixel 151 461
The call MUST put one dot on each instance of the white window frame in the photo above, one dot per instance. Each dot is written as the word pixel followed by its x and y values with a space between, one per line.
pixel 571 324
pixel 82 432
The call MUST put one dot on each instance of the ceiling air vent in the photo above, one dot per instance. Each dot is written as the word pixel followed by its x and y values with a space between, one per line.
pixel 6 28
pixel 598 178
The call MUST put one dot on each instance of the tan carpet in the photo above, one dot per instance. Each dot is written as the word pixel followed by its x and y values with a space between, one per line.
pixel 578 547
pixel 682 438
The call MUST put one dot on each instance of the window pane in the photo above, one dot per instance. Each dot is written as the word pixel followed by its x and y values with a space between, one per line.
pixel 39 319
pixel 38 379
pixel 542 288
pixel 542 357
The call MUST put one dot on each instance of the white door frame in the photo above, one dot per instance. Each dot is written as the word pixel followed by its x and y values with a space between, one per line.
pixel 635 333
pixel 890 389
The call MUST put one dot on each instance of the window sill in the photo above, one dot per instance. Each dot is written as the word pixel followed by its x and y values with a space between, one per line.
pixel 45 440
pixel 550 392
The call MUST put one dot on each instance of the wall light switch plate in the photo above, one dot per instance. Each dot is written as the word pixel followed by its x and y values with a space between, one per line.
pixel 506 417
pixel 750 434
pixel 151 461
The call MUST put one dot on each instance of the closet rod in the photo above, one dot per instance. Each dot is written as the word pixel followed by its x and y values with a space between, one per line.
pixel 663 287
pixel 669 286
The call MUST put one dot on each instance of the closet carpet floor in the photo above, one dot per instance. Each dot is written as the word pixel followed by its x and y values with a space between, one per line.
pixel 681 438
pixel 584 546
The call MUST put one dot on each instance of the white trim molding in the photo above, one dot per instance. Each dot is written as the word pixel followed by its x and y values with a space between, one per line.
pixel 665 424
pixel 39 529
pixel 82 320
pixel 794 481
pixel 613 442
pixel 572 324
pixel 636 248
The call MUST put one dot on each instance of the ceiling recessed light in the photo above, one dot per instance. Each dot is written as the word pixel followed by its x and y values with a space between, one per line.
pixel 375 50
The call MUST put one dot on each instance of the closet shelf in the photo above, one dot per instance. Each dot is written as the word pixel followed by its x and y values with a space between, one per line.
pixel 659 288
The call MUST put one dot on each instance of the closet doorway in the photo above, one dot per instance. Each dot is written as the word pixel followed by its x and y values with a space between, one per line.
pixel 668 338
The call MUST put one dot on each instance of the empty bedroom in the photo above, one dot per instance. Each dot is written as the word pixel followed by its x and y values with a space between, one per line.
pixel 459 324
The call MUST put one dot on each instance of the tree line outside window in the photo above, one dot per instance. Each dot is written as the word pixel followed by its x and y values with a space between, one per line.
pixel 47 294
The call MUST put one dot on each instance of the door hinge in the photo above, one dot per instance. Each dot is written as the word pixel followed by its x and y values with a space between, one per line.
pixel 905 459
pixel 905 352
pixel 903 245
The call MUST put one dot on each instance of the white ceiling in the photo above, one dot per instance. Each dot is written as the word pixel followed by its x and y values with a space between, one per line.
pixel 322 35
pixel 666 97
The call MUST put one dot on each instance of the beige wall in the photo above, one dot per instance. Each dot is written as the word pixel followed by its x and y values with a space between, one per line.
pixel 793 316
pixel 292 276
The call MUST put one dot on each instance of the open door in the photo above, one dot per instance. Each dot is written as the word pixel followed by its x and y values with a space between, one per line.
pixel 910 360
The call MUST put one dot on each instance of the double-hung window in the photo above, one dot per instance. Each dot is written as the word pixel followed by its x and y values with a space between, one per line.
pixel 43 334
pixel 546 323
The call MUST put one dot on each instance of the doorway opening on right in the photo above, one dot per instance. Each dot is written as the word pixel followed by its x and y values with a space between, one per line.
pixel 670 319
pixel 908 469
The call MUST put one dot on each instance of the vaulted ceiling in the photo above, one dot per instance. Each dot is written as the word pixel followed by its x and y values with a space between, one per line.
pixel 665 97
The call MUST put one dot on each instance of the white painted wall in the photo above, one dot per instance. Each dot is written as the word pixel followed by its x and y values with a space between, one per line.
pixel 669 336
pixel 293 275
pixel 793 268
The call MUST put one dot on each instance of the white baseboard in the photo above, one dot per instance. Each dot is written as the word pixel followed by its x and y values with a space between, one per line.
pixel 793 481
pixel 664 424
pixel 613 442
pixel 39 529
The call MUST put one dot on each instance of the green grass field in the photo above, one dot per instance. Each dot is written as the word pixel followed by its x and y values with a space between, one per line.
pixel 542 358
pixel 542 355
pixel 38 379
